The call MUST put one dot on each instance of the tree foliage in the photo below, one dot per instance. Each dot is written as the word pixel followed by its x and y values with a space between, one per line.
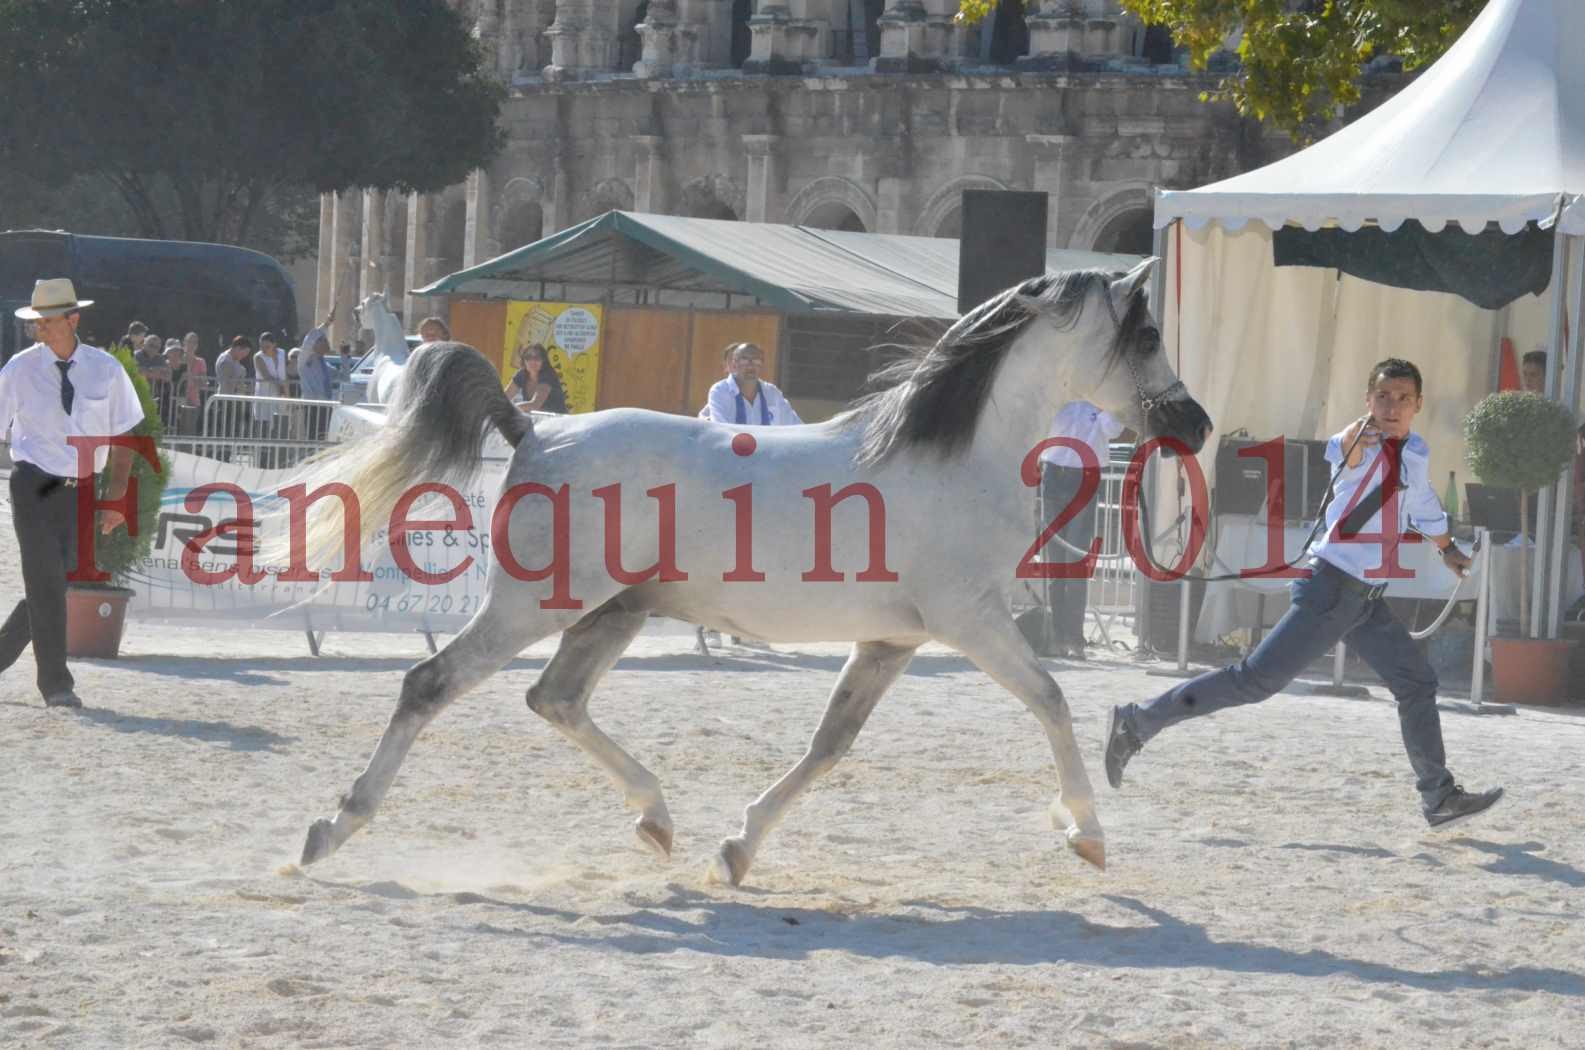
pixel 1299 59
pixel 207 115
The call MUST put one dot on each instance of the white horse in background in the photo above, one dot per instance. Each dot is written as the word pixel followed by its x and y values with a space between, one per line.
pixel 936 456
pixel 388 359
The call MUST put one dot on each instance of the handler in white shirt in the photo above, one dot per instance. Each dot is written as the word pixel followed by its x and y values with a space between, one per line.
pixel 54 390
pixel 744 398
pixel 1339 597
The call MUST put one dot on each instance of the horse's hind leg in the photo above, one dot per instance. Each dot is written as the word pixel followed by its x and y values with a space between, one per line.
pixel 483 647
pixel 561 697
pixel 871 669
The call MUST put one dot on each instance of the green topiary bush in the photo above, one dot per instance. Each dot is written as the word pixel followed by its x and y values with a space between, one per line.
pixel 1519 441
pixel 119 551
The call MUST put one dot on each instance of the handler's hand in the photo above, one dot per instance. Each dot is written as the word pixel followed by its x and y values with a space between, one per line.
pixel 1456 560
pixel 109 519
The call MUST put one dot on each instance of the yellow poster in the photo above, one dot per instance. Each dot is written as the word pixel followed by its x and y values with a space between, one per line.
pixel 570 334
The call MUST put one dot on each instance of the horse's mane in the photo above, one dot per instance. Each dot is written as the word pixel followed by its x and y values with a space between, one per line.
pixel 932 397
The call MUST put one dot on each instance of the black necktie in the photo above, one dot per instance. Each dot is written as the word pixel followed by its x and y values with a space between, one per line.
pixel 67 390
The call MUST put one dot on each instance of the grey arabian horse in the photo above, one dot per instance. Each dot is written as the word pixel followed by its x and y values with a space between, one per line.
pixel 925 518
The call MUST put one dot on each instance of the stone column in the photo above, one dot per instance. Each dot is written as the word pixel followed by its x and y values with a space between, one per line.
pixel 659 33
pixel 325 284
pixel 557 208
pixel 418 262
pixel 764 178
pixel 569 40
pixel 1050 154
pixel 649 187
pixel 890 194
pixel 902 38
pixel 771 48
pixel 344 276
pixel 1056 36
pixel 478 240
pixel 371 278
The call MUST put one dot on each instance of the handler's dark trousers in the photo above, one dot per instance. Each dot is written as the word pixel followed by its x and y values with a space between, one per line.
pixel 44 511
pixel 1066 598
pixel 1331 604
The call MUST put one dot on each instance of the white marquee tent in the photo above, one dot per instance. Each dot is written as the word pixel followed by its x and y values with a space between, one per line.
pixel 1492 133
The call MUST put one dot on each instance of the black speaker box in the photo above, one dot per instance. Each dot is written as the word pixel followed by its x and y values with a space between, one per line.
pixel 1003 243
pixel 1241 481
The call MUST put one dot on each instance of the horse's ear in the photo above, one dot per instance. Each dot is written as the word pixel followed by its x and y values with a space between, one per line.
pixel 1124 288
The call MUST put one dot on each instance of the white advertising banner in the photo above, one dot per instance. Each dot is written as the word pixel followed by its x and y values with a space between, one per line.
pixel 203 493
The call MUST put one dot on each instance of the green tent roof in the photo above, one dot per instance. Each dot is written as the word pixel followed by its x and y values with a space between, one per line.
pixel 797 269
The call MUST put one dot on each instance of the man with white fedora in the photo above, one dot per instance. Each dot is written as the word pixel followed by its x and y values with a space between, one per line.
pixel 56 389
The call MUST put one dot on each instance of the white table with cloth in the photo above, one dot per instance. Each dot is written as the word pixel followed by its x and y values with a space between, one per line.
pixel 1241 544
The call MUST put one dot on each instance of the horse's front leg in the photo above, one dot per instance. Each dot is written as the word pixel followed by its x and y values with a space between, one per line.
pixel 989 637
pixel 871 669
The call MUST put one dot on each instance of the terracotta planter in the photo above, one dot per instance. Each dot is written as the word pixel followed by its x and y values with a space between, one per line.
pixel 95 617
pixel 1531 670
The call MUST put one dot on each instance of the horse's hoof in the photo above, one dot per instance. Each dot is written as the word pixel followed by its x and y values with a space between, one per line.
pixel 319 844
pixel 1092 850
pixel 730 863
pixel 655 835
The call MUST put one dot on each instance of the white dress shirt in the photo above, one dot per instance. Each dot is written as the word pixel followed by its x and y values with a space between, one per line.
pixel 1417 504
pixel 1089 424
pixel 104 404
pixel 768 401
pixel 269 381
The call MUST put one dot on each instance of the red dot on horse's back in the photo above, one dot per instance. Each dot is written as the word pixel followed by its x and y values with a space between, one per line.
pixel 744 444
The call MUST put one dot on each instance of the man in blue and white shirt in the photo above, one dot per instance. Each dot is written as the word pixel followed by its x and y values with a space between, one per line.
pixel 743 398
pixel 1340 597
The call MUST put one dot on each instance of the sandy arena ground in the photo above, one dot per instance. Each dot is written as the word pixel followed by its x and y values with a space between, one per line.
pixel 1271 881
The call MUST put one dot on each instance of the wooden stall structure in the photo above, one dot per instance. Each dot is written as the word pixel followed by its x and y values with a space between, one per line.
pixel 668 294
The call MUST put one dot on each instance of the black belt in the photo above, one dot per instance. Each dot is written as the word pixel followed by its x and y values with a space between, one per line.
pixel 57 479
pixel 1366 591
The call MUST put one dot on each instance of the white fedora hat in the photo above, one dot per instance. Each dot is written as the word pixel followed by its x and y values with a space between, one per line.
pixel 52 297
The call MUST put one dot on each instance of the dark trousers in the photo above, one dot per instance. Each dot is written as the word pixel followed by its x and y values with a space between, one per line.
pixel 1328 606
pixel 44 512
pixel 1066 598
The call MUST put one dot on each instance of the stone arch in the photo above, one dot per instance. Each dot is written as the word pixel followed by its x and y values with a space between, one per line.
pixel 607 195
pixel 711 197
pixel 942 214
pixel 1118 213
pixel 518 217
pixel 822 202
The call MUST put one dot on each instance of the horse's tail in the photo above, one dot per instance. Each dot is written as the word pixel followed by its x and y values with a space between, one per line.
pixel 434 432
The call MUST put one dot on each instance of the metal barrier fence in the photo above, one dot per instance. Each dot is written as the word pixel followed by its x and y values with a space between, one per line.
pixel 183 402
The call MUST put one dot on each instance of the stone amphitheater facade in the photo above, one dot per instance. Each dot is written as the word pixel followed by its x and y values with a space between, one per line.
pixel 844 114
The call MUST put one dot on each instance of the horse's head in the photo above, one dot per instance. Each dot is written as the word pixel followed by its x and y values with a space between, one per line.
pixel 1133 380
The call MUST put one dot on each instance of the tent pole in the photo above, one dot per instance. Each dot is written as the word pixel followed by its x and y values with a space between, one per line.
pixel 1541 572
pixel 1158 299
pixel 1562 542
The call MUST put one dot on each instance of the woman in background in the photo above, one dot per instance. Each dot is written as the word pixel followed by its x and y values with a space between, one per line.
pixel 536 387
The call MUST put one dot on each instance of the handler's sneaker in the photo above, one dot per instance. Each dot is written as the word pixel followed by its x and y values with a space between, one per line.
pixel 1461 804
pixel 1122 744
pixel 65 698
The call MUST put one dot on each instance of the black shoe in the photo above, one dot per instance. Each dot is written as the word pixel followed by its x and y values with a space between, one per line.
pixel 1122 744
pixel 1461 804
pixel 65 698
